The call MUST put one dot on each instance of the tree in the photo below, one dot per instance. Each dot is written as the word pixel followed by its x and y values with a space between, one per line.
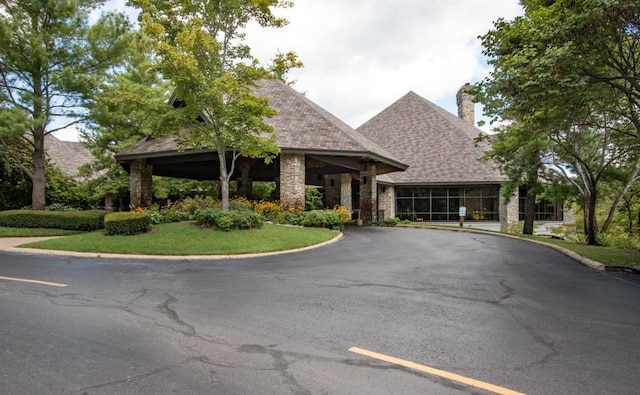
pixel 200 49
pixel 51 60
pixel 566 68
pixel 127 107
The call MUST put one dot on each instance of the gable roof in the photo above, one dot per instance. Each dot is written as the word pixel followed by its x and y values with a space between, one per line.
pixel 301 126
pixel 68 156
pixel 438 146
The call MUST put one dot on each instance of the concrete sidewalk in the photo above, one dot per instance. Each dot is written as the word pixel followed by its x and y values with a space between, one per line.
pixel 11 242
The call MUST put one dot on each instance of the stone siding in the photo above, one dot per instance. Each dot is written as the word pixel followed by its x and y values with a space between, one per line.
pixel 332 185
pixel 466 106
pixel 509 212
pixel 346 192
pixel 141 187
pixel 292 180
pixel 386 201
pixel 368 194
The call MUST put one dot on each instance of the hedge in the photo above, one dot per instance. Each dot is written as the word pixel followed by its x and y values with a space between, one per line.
pixel 86 220
pixel 125 223
pixel 227 220
pixel 322 219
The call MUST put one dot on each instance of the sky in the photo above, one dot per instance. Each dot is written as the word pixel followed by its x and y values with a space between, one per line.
pixel 360 56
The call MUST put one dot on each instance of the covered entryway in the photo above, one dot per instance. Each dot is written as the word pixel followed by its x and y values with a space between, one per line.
pixel 316 149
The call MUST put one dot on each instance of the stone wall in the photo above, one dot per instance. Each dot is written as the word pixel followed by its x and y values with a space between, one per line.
pixel 292 180
pixel 332 185
pixel 346 192
pixel 509 212
pixel 386 201
pixel 368 194
pixel 141 183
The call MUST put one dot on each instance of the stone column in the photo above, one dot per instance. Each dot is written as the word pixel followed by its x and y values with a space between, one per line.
pixel 331 190
pixel 368 194
pixel 244 182
pixel 509 212
pixel 141 189
pixel 346 197
pixel 386 201
pixel 292 177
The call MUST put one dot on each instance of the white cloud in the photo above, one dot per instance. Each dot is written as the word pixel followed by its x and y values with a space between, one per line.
pixel 362 55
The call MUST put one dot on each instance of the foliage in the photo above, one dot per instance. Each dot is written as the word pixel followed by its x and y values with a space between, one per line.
pixel 262 190
pixel 69 220
pixel 228 220
pixel 53 61
pixel 343 213
pixel 34 232
pixel 63 190
pixel 15 186
pixel 322 219
pixel 313 199
pixel 124 223
pixel 564 80
pixel 200 50
pixel 270 211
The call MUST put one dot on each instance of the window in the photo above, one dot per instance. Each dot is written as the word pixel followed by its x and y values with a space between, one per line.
pixel 443 203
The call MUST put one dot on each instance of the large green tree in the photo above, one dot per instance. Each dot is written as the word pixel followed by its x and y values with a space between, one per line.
pixel 568 69
pixel 200 49
pixel 51 62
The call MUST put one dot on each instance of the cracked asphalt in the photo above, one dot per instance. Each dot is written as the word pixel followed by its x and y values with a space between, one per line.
pixel 499 310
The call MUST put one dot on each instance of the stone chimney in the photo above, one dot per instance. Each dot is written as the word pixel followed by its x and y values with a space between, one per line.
pixel 466 106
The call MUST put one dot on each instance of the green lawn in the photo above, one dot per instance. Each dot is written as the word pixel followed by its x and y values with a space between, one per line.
pixel 184 238
pixel 34 232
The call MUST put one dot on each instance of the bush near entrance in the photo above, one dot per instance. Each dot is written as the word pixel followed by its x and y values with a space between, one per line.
pixel 70 220
pixel 125 223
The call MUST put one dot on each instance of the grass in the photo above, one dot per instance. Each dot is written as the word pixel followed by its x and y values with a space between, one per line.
pixel 34 232
pixel 184 238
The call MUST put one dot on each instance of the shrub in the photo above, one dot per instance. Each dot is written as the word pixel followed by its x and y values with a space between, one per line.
pixel 233 219
pixel 68 220
pixel 322 219
pixel 240 204
pixel 391 221
pixel 270 211
pixel 126 223
pixel 313 199
pixel 343 213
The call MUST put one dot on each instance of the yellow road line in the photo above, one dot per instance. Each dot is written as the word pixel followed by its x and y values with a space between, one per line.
pixel 25 280
pixel 436 372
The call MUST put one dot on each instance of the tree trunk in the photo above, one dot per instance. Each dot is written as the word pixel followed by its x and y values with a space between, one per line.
pixel 623 192
pixel 38 192
pixel 224 179
pixel 590 219
pixel 529 212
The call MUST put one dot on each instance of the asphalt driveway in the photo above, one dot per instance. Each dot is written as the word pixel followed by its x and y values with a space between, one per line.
pixel 461 309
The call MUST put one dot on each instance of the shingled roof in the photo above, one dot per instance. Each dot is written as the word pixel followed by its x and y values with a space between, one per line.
pixel 438 146
pixel 300 126
pixel 68 156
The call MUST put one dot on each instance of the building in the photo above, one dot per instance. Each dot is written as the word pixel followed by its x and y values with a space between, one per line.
pixel 446 170
pixel 430 166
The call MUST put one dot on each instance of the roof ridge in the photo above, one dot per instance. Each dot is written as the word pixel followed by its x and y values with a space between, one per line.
pixel 362 141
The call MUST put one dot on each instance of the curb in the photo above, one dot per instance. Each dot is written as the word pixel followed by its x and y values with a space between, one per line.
pixel 37 251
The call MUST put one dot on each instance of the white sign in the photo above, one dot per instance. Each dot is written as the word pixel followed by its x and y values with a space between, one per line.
pixel 463 211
